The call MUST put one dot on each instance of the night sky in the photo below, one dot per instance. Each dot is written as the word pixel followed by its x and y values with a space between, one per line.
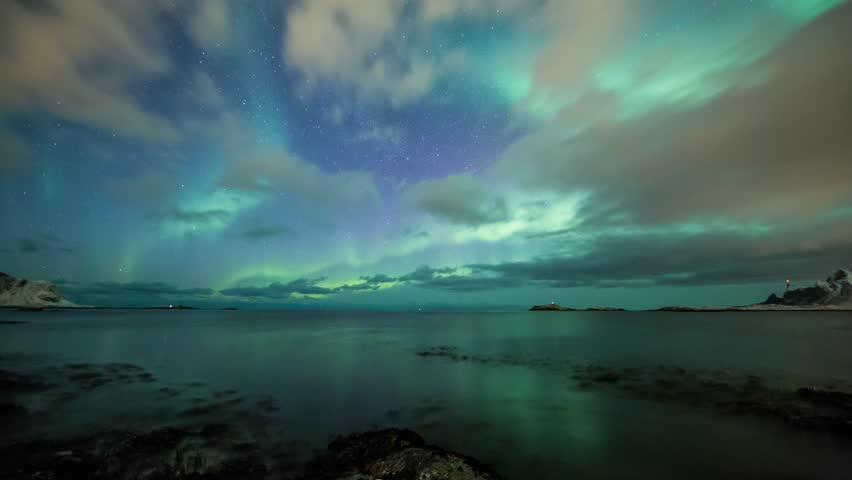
pixel 425 154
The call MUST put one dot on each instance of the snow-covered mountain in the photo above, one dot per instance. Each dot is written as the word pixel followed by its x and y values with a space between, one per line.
pixel 20 292
pixel 835 290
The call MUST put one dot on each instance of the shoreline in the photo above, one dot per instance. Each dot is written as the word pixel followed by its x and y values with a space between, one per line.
pixel 670 309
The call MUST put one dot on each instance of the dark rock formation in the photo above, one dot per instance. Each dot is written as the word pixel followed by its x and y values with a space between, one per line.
pixel 555 307
pixel 392 454
pixel 162 454
pixel 212 452
pixel 834 290
pixel 552 307
pixel 832 398
pixel 12 383
pixel 170 307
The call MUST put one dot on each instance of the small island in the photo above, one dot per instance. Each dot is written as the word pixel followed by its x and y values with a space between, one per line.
pixel 555 307
pixel 170 307
pixel 550 307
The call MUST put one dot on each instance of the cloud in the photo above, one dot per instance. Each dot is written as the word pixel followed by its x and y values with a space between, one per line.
pixel 660 257
pixel 771 152
pixel 43 243
pixel 26 245
pixel 206 22
pixel 197 216
pixel 358 46
pixel 368 282
pixel 281 291
pixel 274 171
pixel 210 25
pixel 458 199
pixel 439 10
pixel 425 273
pixel 380 134
pixel 308 287
pixel 253 175
pixel 470 283
pixel 584 32
pixel 264 232
pixel 151 189
pixel 133 289
pixel 416 234
pixel 447 278
pixel 674 260
pixel 378 279
pixel 262 171
pixel 48 56
pixel 335 114
pixel 15 154
pixel 206 93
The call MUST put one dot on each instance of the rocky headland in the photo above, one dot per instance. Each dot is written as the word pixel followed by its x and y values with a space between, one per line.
pixel 832 294
pixel 30 294
pixel 834 291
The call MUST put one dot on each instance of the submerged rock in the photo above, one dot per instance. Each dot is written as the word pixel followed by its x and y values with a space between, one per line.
pixel 392 454
pixel 12 383
pixel 807 408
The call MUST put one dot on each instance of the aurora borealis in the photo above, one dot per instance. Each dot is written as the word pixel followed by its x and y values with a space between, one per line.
pixel 433 153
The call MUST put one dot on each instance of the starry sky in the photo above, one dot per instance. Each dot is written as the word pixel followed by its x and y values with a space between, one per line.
pixel 425 154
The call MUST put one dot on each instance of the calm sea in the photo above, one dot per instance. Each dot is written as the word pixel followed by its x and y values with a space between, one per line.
pixel 507 402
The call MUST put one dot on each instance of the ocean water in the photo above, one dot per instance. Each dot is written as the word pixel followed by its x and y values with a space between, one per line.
pixel 505 396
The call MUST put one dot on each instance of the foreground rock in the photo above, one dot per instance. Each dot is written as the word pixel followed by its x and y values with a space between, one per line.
pixel 210 453
pixel 392 454
pixel 20 292
pixel 162 454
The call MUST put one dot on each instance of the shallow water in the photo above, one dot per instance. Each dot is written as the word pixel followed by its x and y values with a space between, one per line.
pixel 328 373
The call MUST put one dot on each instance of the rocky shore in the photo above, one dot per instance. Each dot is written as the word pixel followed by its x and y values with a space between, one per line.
pixel 392 454
pixel 205 441
pixel 171 453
